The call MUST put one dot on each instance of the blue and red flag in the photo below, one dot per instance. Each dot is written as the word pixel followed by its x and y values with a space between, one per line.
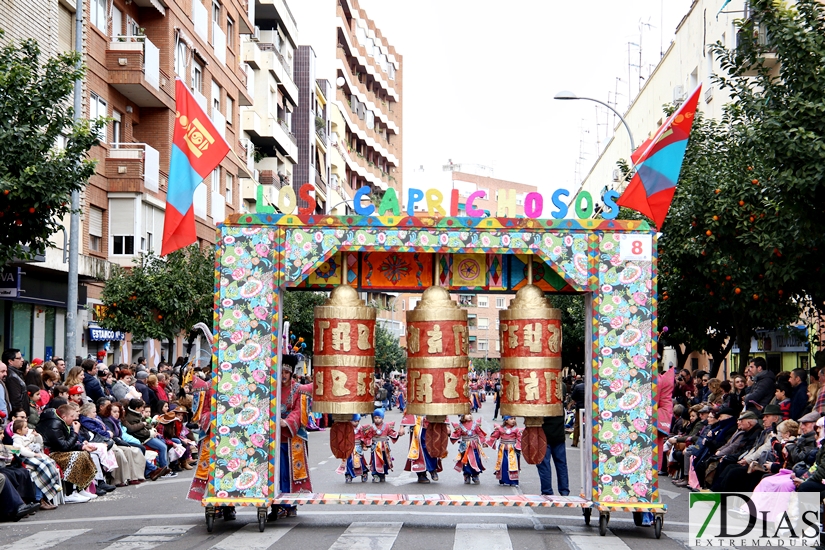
pixel 197 148
pixel 658 164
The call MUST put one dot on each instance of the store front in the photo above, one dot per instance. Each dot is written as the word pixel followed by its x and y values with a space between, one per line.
pixel 784 351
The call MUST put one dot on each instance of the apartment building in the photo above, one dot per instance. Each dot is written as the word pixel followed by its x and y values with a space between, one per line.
pixel 365 106
pixel 269 52
pixel 134 51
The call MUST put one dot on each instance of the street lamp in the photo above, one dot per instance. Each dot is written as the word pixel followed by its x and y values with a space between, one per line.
pixel 565 95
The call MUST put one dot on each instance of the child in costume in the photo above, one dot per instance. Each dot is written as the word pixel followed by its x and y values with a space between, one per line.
pixel 470 437
pixel 355 465
pixel 508 462
pixel 418 459
pixel 475 399
pixel 376 437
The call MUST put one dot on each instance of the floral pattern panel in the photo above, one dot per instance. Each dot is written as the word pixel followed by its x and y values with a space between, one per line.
pixel 244 316
pixel 623 424
pixel 307 247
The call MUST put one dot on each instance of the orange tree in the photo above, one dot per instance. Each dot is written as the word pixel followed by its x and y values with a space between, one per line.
pixel 37 176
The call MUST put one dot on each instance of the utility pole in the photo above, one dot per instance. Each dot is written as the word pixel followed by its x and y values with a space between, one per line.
pixel 74 226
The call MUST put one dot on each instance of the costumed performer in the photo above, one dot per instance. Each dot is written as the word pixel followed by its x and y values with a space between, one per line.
pixel 469 435
pixel 508 461
pixel 355 465
pixel 376 438
pixel 418 459
pixel 294 473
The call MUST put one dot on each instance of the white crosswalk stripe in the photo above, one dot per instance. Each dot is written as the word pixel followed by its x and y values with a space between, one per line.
pixel 249 538
pixel 584 538
pixel 150 537
pixel 44 539
pixel 490 536
pixel 372 535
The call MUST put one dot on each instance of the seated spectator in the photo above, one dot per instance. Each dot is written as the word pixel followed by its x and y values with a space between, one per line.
pixel 60 393
pixel 783 399
pixel 743 440
pixel 130 461
pixel 74 377
pixel 716 394
pixel 140 385
pixel 816 474
pixel 59 429
pixel 12 506
pixel 90 380
pixel 44 472
pixel 111 416
pixel 77 395
pixel 136 425
pixel 124 387
pixel 50 380
pixel 813 396
pixel 169 428
pixel 720 432
pixel 746 474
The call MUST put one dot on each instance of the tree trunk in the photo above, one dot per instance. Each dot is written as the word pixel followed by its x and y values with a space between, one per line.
pixel 681 356
pixel 719 357
pixel 743 340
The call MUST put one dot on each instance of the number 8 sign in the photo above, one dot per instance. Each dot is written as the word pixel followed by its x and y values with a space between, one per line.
pixel 635 247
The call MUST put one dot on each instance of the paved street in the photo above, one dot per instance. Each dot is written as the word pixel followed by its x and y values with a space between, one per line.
pixel 157 515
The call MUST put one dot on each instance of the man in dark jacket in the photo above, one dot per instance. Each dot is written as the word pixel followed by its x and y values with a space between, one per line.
pixel 17 397
pixel 799 396
pixel 764 386
pixel 553 427
pixel 90 381
pixel 140 385
pixel 577 400
pixel 739 477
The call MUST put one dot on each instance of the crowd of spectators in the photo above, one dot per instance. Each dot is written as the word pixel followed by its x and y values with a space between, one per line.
pixel 757 432
pixel 70 436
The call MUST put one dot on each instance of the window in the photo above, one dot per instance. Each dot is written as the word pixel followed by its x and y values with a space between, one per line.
pixel 181 52
pixel 98 108
pixel 482 345
pixel 483 301
pixel 216 12
pixel 197 77
pixel 414 302
pixel 230 109
pixel 123 245
pixel 95 229
pixel 498 345
pixel 65 29
pixel 216 97
pixel 498 323
pixel 97 13
pixel 483 323
pixel 117 129
pixel 216 180
pixel 230 183
pixel 230 33
pixel 500 303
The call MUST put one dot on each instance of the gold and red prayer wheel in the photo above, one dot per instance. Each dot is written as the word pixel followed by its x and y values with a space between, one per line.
pixel 437 364
pixel 343 363
pixel 531 365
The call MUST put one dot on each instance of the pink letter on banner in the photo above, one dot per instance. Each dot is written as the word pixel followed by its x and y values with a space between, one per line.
pixel 533 205
pixel 471 210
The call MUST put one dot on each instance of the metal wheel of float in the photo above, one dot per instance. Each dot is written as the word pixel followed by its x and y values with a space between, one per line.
pixel 587 513
pixel 210 518
pixel 604 519
pixel 657 525
pixel 262 519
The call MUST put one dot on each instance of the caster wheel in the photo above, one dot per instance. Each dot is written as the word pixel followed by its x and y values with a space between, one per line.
pixel 657 527
pixel 637 519
pixel 261 519
pixel 210 522
pixel 603 520
pixel 587 512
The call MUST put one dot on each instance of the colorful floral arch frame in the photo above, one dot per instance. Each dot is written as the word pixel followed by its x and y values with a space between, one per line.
pixel 612 262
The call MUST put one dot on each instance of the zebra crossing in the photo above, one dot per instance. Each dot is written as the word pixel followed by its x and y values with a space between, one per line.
pixel 352 536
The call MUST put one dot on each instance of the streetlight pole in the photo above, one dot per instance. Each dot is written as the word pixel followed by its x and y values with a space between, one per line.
pixel 566 95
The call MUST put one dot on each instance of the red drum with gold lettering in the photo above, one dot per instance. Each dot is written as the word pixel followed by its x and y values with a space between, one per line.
pixel 437 361
pixel 531 356
pixel 343 354
pixel 531 366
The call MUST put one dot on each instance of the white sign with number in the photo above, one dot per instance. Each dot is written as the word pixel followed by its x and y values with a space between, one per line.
pixel 636 247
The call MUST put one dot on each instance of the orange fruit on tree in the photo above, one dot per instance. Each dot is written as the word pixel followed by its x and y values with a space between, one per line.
pixel 756 296
pixel 737 290
pixel 741 203
pixel 718 191
pixel 716 218
pixel 755 181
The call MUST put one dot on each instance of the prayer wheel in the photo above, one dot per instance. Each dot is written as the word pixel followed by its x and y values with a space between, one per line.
pixel 437 364
pixel 531 366
pixel 343 364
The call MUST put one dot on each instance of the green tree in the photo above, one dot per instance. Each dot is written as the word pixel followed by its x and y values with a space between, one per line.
pixel 572 329
pixel 389 355
pixel 481 365
pixel 160 297
pixel 37 176
pixel 776 80
pixel 299 310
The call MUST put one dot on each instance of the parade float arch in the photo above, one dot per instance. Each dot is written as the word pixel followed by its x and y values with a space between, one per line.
pixel 611 262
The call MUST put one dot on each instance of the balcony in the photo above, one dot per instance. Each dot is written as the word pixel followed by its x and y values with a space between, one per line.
pixel 467 300
pixel 754 38
pixel 270 132
pixel 274 62
pixel 133 168
pixel 320 184
pixel 133 63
